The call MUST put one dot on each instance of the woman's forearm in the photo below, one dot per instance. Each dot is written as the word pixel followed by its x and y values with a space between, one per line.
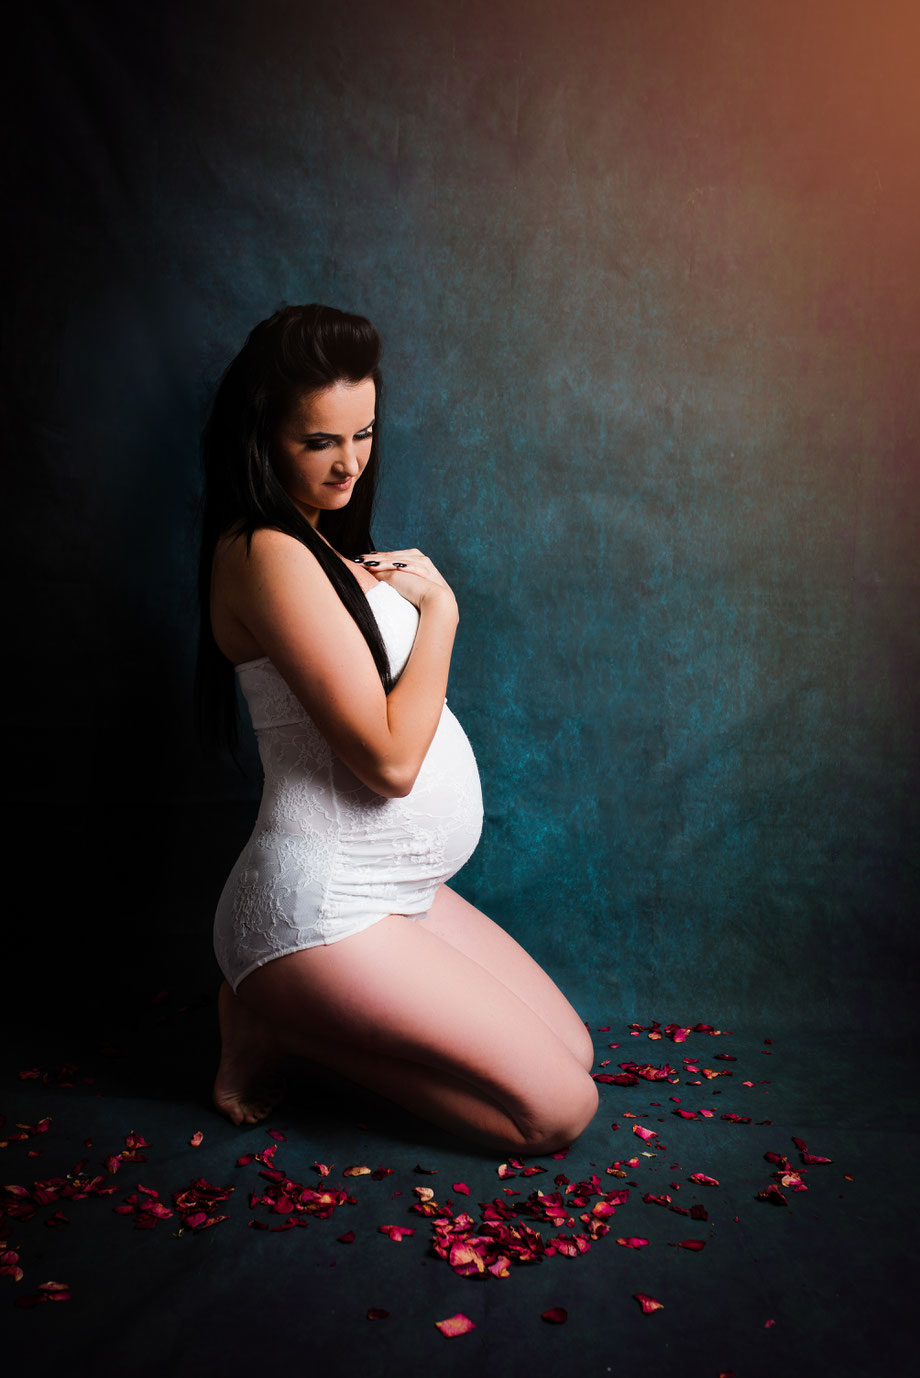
pixel 415 704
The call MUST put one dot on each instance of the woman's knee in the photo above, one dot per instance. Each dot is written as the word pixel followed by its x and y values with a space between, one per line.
pixel 566 1116
pixel 584 1049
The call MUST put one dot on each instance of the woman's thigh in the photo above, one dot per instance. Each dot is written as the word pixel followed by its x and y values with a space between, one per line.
pixel 401 991
pixel 457 922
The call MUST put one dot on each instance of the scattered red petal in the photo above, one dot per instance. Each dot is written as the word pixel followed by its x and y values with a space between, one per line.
pixel 376 1313
pixel 695 1245
pixel 277 1135
pixel 633 1242
pixel 461 1188
pixel 347 1238
pixel 644 1133
pixel 800 1144
pixel 703 1179
pixel 357 1172
pixel 557 1315
pixel 648 1304
pixel 812 1158
pixel 395 1232
pixel 456 1325
pixel 773 1195
pixel 197 1139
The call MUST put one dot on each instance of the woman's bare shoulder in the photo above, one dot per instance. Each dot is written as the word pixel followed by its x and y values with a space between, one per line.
pixel 263 555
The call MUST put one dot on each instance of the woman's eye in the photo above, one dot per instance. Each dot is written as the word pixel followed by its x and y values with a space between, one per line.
pixel 318 444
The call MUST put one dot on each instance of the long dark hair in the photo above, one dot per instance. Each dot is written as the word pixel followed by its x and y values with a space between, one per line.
pixel 298 349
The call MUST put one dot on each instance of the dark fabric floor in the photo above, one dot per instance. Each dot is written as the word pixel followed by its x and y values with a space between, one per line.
pixel 823 1284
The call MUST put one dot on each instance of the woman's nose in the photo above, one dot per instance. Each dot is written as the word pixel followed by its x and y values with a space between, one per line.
pixel 348 461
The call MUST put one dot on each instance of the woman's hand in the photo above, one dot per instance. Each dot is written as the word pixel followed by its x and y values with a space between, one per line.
pixel 410 572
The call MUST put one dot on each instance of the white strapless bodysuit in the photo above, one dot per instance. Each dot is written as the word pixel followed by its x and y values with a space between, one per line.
pixel 328 857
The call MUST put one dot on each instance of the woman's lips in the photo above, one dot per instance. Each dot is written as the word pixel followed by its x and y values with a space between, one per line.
pixel 345 483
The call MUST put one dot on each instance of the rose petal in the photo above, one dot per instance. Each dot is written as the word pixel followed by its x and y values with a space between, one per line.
pixel 633 1242
pixel 347 1238
pixel 644 1133
pixel 703 1179
pixel 197 1139
pixel 376 1313
pixel 648 1304
pixel 693 1244
pixel 461 1188
pixel 456 1325
pixel 557 1315
pixel 812 1158
pixel 773 1195
pixel 395 1232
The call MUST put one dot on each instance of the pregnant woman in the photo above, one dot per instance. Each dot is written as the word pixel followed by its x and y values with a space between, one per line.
pixel 336 932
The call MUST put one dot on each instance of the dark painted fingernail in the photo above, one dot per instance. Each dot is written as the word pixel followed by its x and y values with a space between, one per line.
pixel 399 564
pixel 359 559
pixel 370 562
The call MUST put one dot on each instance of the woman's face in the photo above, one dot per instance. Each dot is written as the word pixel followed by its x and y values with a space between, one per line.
pixel 323 445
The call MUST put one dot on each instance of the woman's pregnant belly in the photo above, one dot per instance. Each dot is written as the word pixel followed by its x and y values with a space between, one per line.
pixel 404 848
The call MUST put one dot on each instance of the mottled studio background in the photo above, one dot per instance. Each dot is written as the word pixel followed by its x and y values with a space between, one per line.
pixel 648 278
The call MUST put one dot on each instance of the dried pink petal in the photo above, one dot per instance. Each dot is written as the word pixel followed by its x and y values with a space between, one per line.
pixel 695 1245
pixel 556 1315
pixel 456 1325
pixel 703 1179
pixel 800 1144
pixel 644 1133
pixel 685 1114
pixel 461 1188
pixel 505 1172
pixel 773 1195
pixel 277 1135
pixel 197 1139
pixel 648 1304
pixel 633 1242
pixel 347 1238
pixel 812 1158
pixel 356 1172
pixel 395 1232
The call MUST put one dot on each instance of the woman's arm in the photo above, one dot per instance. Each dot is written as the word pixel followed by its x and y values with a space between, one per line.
pixel 281 595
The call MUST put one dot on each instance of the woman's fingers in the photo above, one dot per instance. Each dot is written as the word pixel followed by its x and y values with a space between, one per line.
pixel 413 561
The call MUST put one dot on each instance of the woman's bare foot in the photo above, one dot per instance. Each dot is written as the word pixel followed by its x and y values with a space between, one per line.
pixel 248 1084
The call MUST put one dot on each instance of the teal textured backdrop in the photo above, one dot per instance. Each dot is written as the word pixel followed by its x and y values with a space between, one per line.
pixel 648 278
